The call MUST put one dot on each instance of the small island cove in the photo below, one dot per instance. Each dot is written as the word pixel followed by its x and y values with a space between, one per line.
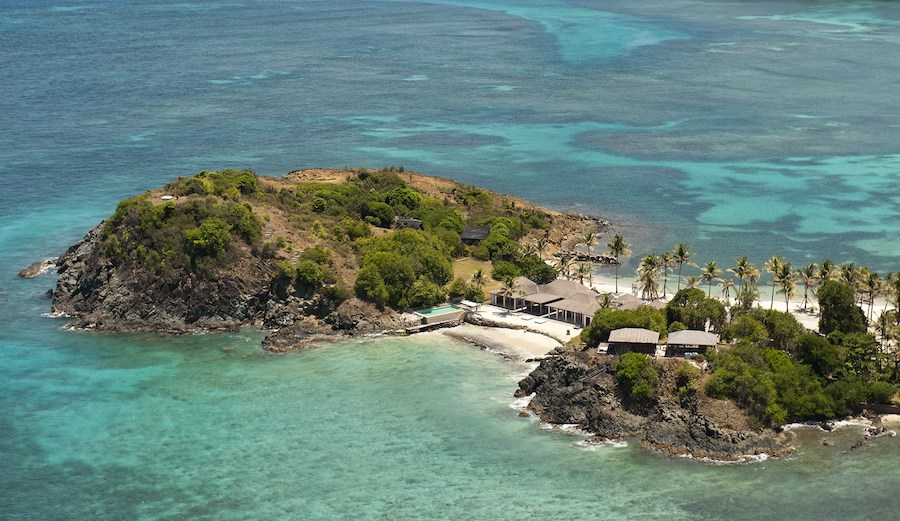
pixel 321 255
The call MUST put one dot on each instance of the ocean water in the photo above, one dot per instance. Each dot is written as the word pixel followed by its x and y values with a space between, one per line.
pixel 748 128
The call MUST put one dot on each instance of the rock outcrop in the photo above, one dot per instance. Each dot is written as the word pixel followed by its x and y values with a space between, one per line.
pixel 101 295
pixel 580 388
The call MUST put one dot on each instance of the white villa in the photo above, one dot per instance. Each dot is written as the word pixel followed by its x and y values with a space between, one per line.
pixel 561 299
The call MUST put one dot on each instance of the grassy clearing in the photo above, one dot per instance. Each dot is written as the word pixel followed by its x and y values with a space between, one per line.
pixel 465 268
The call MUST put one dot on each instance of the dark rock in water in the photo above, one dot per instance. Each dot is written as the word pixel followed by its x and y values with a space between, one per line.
pixel 48 293
pixel 103 295
pixel 37 268
pixel 580 388
pixel 352 317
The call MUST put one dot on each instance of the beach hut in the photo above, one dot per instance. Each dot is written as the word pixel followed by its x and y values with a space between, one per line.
pixel 474 234
pixel 632 340
pixel 681 343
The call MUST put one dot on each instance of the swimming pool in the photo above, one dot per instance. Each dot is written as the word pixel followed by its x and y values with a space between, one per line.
pixel 438 310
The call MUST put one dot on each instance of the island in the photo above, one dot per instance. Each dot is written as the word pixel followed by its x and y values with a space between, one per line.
pixel 324 254
pixel 315 254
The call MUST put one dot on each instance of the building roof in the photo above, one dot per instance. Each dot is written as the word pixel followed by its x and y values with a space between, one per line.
pixel 583 303
pixel 627 301
pixel 522 286
pixel 541 298
pixel 475 233
pixel 693 338
pixel 566 288
pixel 409 222
pixel 633 335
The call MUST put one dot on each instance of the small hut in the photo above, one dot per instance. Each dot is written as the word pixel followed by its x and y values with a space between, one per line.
pixel 408 222
pixel 472 235
pixel 632 340
pixel 690 341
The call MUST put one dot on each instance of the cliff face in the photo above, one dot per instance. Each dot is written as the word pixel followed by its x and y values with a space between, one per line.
pixel 102 295
pixel 580 388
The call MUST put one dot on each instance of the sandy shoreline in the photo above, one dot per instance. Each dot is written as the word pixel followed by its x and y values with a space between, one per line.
pixel 515 344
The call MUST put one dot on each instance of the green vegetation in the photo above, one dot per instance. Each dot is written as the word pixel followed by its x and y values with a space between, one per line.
pixel 839 310
pixel 637 376
pixel 775 369
pixel 687 379
pixel 200 234
pixel 606 320
pixel 694 310
pixel 213 218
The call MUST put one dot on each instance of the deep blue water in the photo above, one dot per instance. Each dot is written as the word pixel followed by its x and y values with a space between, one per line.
pixel 757 128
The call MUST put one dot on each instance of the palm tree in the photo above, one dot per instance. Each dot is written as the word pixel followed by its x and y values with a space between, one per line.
pixel 850 275
pixel 885 327
pixel 894 291
pixel 583 270
pixel 891 291
pixel 508 289
pixel 564 264
pixel 872 286
pixel 741 268
pixel 649 286
pixel 807 275
pixel 828 271
pixel 726 285
pixel 748 274
pixel 648 271
pixel 785 279
pixel 773 265
pixel 682 254
pixel 528 250
pixel 618 248
pixel 692 282
pixel 667 259
pixel 589 239
pixel 541 244
pixel 709 274
pixel 478 278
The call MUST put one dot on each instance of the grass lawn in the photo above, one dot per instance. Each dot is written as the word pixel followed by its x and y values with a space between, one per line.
pixel 465 268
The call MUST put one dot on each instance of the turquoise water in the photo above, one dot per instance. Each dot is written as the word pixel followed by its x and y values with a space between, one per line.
pixel 440 310
pixel 754 128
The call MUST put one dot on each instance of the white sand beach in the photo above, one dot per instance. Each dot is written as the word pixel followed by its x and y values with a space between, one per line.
pixel 516 344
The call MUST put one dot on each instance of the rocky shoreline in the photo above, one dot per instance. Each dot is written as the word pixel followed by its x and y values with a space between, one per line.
pixel 579 388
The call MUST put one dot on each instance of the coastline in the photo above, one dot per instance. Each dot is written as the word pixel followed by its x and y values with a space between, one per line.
pixel 513 344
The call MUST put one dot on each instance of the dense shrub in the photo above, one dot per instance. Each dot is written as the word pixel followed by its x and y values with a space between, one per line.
pixel 691 307
pixel 637 376
pixel 839 312
pixel 425 293
pixel 537 270
pixel 504 270
pixel 222 184
pixel 687 378
pixel 769 384
pixel 457 288
pixel 167 237
pixel 370 286
pixel 382 212
pixel 819 354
